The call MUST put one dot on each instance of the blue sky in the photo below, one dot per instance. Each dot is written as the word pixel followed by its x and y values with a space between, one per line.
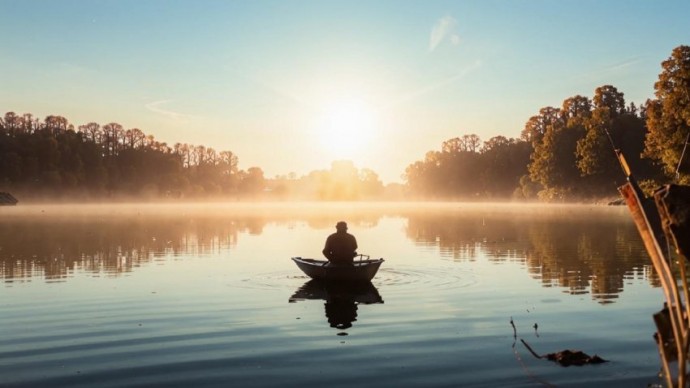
pixel 264 78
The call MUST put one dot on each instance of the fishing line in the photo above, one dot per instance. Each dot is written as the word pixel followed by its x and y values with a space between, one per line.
pixel 682 155
pixel 619 155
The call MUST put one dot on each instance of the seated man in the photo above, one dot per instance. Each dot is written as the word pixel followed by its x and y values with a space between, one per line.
pixel 341 246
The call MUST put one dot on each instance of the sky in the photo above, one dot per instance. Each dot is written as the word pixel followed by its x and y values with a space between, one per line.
pixel 290 86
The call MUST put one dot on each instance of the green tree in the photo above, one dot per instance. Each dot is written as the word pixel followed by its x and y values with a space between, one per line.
pixel 537 125
pixel 553 160
pixel 668 115
pixel 503 162
pixel 595 154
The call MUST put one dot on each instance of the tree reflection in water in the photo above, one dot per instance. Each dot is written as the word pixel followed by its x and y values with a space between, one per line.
pixel 571 246
pixel 116 239
pixel 584 249
pixel 341 299
pixel 55 247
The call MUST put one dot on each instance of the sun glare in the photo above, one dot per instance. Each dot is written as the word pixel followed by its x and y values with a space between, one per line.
pixel 346 128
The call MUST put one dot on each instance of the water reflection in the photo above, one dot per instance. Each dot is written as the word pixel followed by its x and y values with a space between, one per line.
pixel 112 240
pixel 56 247
pixel 341 299
pixel 577 248
pixel 582 249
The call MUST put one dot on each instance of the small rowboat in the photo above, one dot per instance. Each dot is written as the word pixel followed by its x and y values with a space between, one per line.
pixel 362 270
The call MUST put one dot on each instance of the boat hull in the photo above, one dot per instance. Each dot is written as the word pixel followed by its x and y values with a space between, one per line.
pixel 359 271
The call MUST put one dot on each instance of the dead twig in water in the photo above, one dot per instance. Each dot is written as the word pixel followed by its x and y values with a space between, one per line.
pixel 529 373
pixel 567 357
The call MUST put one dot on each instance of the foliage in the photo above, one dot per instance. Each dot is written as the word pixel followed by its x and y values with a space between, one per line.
pixel 668 115
pixel 566 153
pixel 467 169
pixel 573 148
pixel 575 155
pixel 51 158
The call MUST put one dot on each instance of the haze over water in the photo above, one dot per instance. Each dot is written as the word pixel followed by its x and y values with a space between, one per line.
pixel 205 295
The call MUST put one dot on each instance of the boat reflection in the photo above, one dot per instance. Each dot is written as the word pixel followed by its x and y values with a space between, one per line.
pixel 341 299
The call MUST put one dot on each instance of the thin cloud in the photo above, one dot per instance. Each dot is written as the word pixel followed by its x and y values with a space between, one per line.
pixel 266 85
pixel 155 107
pixel 283 93
pixel 605 72
pixel 445 28
pixel 460 74
pixel 625 64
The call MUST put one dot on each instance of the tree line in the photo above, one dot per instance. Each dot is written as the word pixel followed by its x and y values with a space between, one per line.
pixel 567 153
pixel 52 159
pixel 563 153
pixel 466 168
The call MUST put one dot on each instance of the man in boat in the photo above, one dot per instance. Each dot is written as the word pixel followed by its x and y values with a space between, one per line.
pixel 341 247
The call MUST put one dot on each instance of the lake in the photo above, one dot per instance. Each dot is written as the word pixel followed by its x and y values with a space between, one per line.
pixel 206 295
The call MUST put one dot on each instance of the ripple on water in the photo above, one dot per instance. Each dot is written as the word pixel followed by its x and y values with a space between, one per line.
pixel 402 277
pixel 277 280
pixel 444 278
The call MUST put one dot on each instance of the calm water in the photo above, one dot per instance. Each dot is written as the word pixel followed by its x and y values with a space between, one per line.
pixel 207 296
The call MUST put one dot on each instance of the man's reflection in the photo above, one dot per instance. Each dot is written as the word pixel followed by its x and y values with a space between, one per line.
pixel 341 299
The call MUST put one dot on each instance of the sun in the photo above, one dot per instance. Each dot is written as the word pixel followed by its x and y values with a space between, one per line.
pixel 347 127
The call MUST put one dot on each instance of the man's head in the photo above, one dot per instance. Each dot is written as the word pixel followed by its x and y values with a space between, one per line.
pixel 341 226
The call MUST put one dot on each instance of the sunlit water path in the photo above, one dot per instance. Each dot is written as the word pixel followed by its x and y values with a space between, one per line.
pixel 205 295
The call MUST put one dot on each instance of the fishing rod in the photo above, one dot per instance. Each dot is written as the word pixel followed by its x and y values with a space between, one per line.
pixel 621 158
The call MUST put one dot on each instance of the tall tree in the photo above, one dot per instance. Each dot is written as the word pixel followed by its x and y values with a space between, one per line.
pixel 12 123
pixel 576 110
pixel 537 125
pixel 92 131
pixel 595 156
pixel 503 162
pixel 56 124
pixel 668 115
pixel 553 159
